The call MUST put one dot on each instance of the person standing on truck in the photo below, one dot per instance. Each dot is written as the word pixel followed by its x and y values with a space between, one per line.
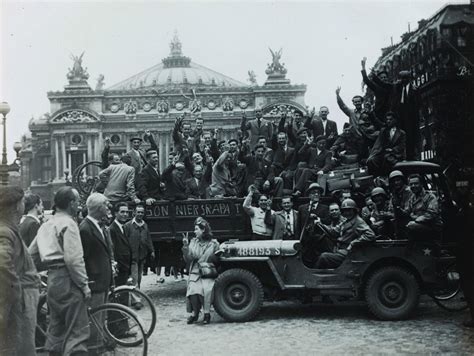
pixel 59 246
pixel 19 280
pixel 423 209
pixel 150 185
pixel 201 249
pixel 260 230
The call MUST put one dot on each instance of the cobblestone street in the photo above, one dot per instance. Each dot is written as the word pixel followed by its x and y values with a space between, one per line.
pixel 291 328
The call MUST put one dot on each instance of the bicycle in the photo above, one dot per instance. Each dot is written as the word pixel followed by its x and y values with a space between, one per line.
pixel 133 297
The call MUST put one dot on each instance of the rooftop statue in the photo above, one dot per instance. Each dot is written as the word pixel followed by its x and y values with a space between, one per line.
pixel 77 72
pixel 252 77
pixel 100 82
pixel 276 67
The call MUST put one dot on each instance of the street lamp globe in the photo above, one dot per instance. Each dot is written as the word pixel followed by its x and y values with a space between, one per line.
pixel 4 108
pixel 17 147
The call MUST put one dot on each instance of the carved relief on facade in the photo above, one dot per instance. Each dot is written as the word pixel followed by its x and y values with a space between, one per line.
pixel 179 106
pixel 195 105
pixel 163 106
pixel 115 107
pixel 227 104
pixel 147 107
pixel 74 116
pixel 211 104
pixel 130 107
pixel 243 104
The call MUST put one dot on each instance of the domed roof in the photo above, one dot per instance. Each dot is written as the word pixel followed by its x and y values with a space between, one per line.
pixel 177 70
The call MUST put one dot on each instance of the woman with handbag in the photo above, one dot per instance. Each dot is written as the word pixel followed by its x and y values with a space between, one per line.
pixel 200 257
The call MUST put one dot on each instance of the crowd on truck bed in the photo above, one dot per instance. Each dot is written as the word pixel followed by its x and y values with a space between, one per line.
pixel 278 156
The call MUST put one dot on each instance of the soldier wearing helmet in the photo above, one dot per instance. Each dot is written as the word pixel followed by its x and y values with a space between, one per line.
pixel 381 217
pixel 400 195
pixel 353 231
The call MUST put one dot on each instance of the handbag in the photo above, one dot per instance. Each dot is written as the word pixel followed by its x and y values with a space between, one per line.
pixel 207 270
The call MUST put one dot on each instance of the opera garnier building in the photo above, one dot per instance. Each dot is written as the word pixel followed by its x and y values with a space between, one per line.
pixel 80 117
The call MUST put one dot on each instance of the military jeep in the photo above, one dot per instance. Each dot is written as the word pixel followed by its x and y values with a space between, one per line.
pixel 388 274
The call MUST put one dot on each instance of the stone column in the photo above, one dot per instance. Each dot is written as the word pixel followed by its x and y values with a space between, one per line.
pixel 63 155
pixel 69 161
pixel 56 156
pixel 90 155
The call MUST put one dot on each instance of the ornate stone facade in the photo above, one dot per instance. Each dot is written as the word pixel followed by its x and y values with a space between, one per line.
pixel 80 118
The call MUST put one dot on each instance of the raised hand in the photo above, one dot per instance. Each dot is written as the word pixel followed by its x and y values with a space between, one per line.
pixel 362 62
pixel 338 90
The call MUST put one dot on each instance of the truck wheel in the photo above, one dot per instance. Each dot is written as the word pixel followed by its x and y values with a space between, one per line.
pixel 238 295
pixel 392 293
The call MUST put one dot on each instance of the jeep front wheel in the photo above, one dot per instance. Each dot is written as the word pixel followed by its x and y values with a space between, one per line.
pixel 238 295
pixel 392 293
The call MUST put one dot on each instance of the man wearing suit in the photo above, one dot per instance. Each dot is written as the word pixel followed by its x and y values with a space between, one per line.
pixel 322 126
pixel 285 223
pixel 317 161
pixel 120 181
pixel 389 148
pixel 31 222
pixel 283 157
pixel 310 215
pixel 173 176
pixel 137 154
pixel 98 252
pixel 121 244
pixel 150 186
pixel 259 172
pixel 197 186
pixel 257 127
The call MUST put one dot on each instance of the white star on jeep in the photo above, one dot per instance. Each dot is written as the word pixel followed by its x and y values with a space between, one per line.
pixel 427 252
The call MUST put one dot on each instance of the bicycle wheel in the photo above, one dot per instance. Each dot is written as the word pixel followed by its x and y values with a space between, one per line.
pixel 143 306
pixel 42 321
pixel 450 283
pixel 116 330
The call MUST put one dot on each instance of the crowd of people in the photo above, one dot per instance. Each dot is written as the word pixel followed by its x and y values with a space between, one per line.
pixel 294 157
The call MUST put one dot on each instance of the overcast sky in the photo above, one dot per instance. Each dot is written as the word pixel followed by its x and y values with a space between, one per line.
pixel 323 43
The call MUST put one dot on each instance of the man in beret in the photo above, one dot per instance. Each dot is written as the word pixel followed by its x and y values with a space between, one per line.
pixel 19 279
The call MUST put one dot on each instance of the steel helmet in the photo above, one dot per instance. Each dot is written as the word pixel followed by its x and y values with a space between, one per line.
pixel 395 174
pixel 348 204
pixel 377 191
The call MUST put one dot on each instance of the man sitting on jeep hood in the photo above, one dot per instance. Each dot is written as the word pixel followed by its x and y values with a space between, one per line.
pixel 354 230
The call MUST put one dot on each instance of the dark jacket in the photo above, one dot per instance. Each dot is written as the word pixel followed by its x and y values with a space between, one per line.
pixel 265 129
pixel 149 183
pixel 322 211
pixel 352 230
pixel 175 186
pixel 140 240
pixel 28 229
pixel 321 161
pixel 199 191
pixel 278 222
pixel 98 256
pixel 397 144
pixel 317 128
pixel 122 248
pixel 282 160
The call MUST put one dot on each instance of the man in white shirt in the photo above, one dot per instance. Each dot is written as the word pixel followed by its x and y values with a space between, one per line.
pixel 58 244
pixel 260 230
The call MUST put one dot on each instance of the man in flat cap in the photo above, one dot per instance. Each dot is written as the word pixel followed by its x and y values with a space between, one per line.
pixel 19 280
pixel 137 154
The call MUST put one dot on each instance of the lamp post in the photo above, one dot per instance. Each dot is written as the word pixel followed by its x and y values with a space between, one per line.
pixel 4 110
